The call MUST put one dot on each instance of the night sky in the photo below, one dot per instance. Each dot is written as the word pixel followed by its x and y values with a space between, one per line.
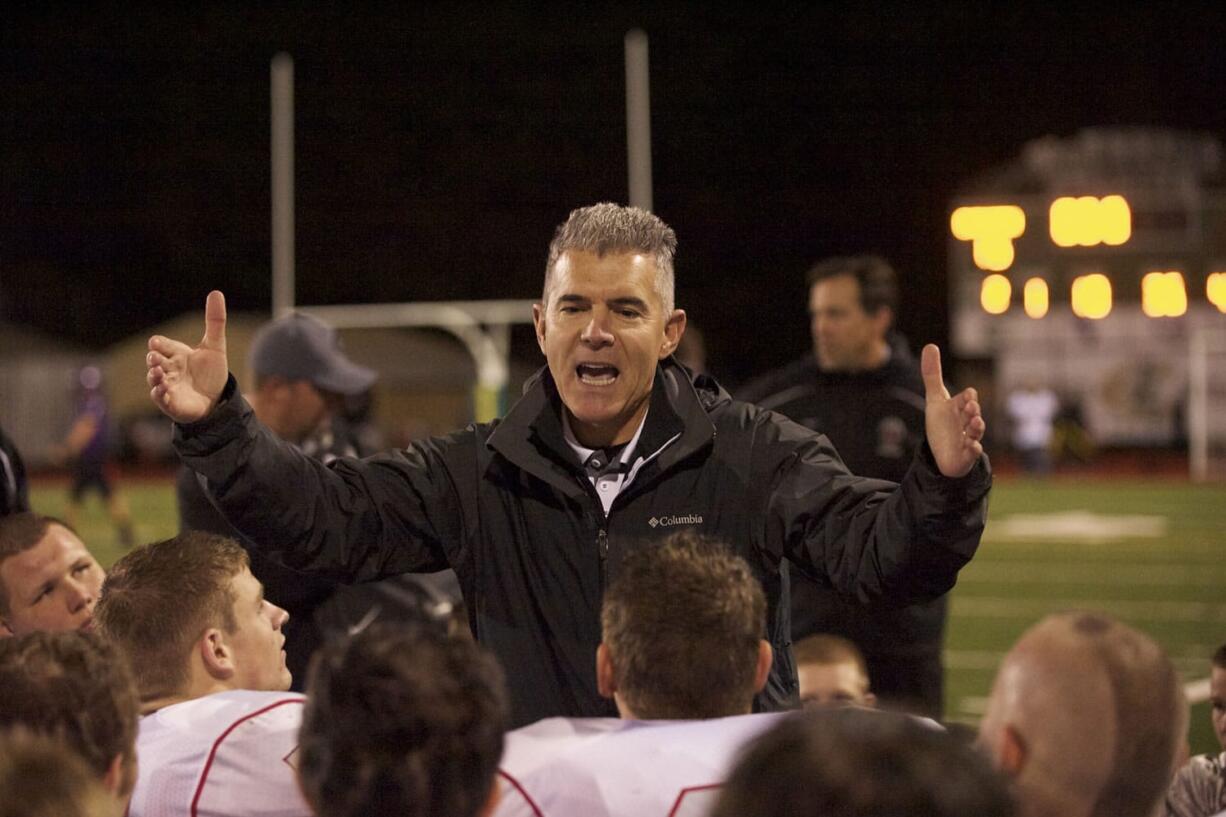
pixel 438 146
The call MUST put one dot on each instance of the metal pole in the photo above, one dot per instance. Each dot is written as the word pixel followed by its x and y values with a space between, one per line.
pixel 282 184
pixel 638 119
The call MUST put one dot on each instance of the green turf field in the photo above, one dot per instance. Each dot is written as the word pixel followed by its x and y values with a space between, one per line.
pixel 1152 553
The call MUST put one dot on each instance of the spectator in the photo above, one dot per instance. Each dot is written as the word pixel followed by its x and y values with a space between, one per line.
pixel 88 448
pixel 402 720
pixel 861 387
pixel 611 440
pixel 832 672
pixel 218 734
pixel 1199 789
pixel 861 763
pixel 683 625
pixel 1086 717
pixel 76 689
pixel 14 490
pixel 49 581
pixel 40 777
pixel 1033 408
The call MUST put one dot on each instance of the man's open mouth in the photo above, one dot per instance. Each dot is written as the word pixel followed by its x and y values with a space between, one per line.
pixel 596 374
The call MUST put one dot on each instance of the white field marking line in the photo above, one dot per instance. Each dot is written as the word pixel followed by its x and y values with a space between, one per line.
pixel 998 607
pixel 1079 525
pixel 976 705
pixel 1026 572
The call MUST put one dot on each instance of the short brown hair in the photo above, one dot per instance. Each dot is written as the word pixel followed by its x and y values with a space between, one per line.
pixel 40 777
pixel 607 227
pixel 682 620
pixel 18 533
pixel 158 600
pixel 1219 657
pixel 401 719
pixel 74 687
pixel 878 283
pixel 826 649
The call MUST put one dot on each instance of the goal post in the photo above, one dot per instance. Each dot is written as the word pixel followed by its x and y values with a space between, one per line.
pixel 1207 404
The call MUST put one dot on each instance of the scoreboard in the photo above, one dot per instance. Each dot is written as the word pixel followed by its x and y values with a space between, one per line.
pixel 1090 264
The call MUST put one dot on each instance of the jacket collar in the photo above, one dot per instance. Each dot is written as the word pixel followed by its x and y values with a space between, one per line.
pixel 530 436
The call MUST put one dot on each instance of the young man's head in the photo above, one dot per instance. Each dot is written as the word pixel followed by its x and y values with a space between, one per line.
pixel 683 624
pixel 851 307
pixel 41 777
pixel 75 688
pixel 49 581
pixel 606 317
pixel 402 719
pixel 1217 694
pixel 832 672
pixel 860 763
pixel 1087 717
pixel 188 612
pixel 301 375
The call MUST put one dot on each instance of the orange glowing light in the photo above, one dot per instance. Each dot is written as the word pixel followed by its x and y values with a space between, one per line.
pixel 991 230
pixel 1035 297
pixel 1215 289
pixel 1091 296
pixel 1163 295
pixel 1086 221
pixel 995 293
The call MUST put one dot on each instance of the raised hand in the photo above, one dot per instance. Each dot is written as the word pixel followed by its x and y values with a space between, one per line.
pixel 954 425
pixel 185 382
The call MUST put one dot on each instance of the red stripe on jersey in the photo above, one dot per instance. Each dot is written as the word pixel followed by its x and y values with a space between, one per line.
pixel 523 792
pixel 208 764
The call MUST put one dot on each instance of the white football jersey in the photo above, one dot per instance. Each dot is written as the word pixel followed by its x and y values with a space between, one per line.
pixel 605 767
pixel 230 754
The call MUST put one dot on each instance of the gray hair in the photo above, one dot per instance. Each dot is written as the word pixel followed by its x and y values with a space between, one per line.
pixel 607 227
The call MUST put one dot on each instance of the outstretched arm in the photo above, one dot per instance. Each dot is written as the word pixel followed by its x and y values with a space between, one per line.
pixel 954 425
pixel 185 382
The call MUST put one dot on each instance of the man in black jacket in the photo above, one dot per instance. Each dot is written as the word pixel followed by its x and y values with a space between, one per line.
pixel 611 442
pixel 866 394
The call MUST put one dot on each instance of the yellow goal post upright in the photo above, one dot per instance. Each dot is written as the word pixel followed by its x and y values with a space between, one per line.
pixel 1207 403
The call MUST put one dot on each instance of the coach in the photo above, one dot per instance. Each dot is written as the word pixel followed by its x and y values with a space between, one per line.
pixel 612 442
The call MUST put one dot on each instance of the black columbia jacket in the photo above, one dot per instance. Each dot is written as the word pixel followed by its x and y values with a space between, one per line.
pixel 508 507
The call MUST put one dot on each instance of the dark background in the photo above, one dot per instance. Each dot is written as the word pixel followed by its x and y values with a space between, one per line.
pixel 438 146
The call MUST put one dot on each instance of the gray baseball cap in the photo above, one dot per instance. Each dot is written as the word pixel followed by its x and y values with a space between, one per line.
pixel 299 347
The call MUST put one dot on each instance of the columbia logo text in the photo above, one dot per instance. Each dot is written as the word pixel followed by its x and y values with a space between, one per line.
pixel 670 521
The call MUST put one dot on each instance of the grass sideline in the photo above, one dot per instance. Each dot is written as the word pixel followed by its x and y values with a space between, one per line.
pixel 1147 551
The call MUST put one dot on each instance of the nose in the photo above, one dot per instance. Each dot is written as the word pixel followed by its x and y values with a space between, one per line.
pixel 596 334
pixel 279 616
pixel 79 595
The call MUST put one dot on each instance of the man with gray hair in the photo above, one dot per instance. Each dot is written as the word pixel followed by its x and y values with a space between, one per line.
pixel 611 441
pixel 1087 718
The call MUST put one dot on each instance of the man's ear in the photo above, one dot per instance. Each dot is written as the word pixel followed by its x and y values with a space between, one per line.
pixel 538 323
pixel 766 658
pixel 673 330
pixel 113 778
pixel 883 319
pixel 216 654
pixel 1011 751
pixel 606 679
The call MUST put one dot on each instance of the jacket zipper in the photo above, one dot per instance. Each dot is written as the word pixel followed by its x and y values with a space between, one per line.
pixel 602 549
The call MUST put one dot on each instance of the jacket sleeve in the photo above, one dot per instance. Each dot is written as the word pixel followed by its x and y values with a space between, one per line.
pixel 871 540
pixel 356 520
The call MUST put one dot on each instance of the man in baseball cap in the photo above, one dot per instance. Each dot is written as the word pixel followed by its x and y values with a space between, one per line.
pixel 301 374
